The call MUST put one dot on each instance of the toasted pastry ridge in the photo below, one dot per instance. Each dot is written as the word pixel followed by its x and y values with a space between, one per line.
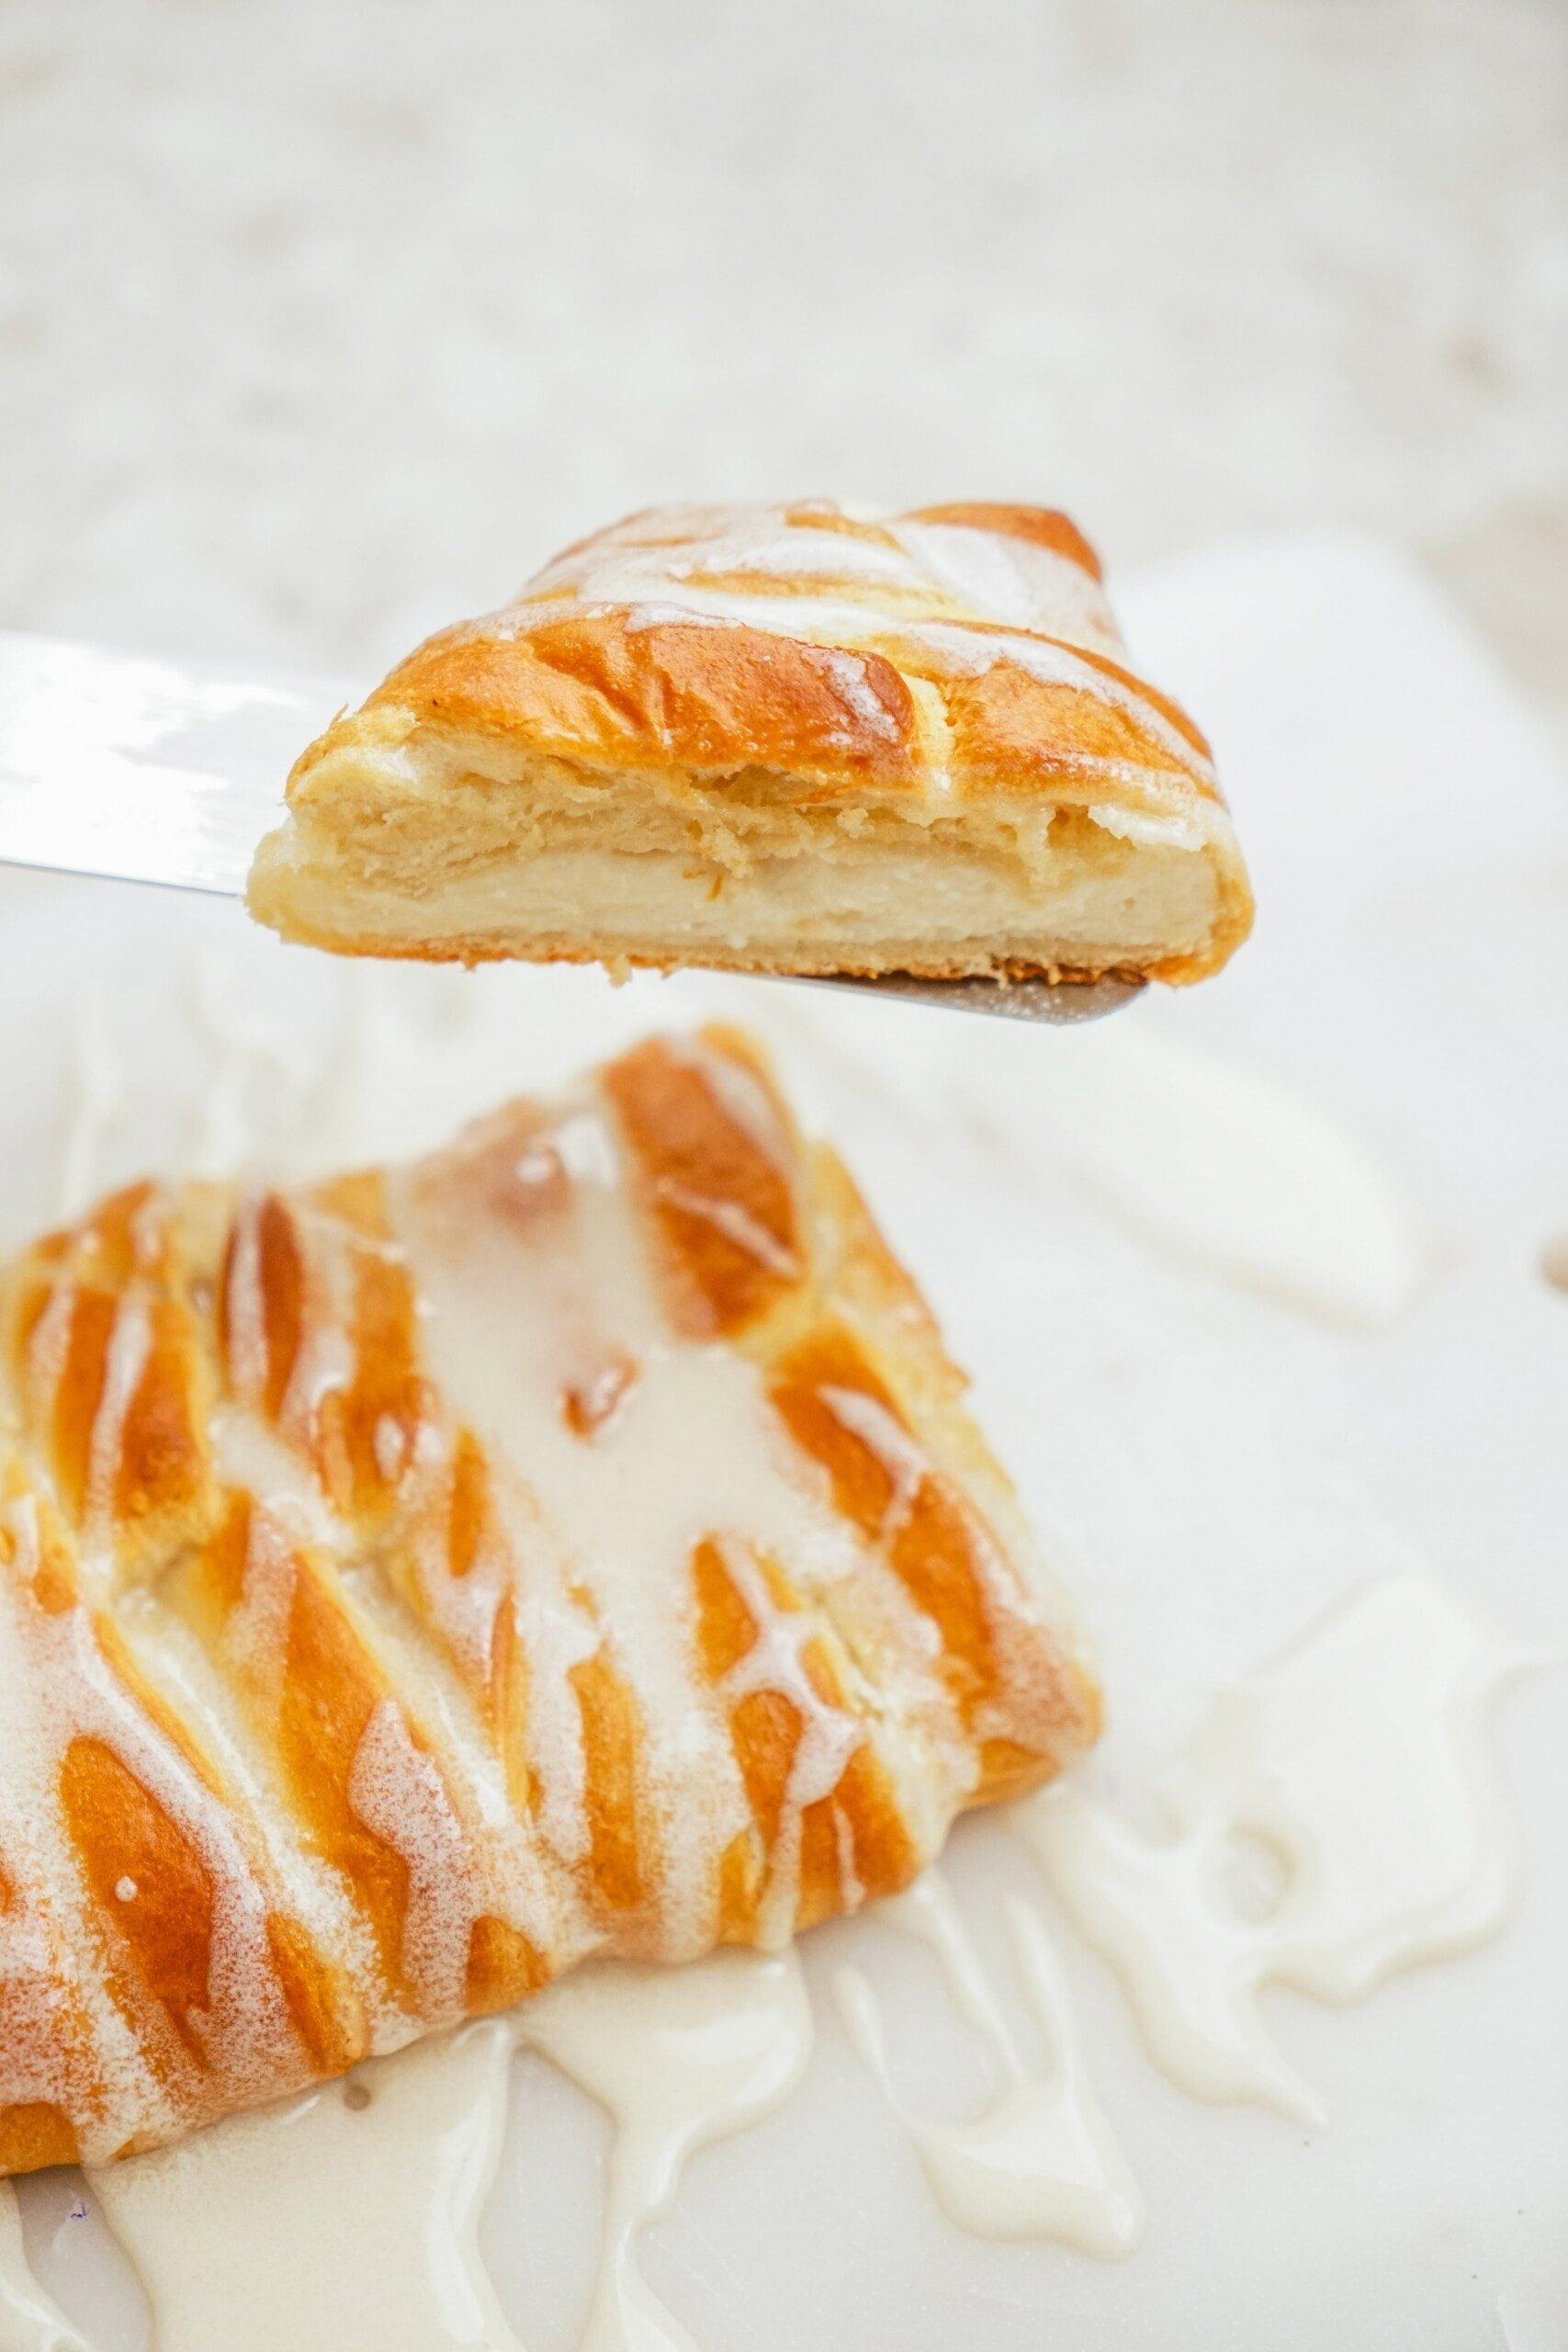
pixel 572 1543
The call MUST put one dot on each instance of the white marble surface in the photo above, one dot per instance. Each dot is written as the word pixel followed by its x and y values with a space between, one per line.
pixel 317 322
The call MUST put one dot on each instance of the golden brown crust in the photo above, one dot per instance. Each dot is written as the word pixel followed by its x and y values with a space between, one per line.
pixel 250 1509
pixel 707 698
pixel 955 665
pixel 33 2134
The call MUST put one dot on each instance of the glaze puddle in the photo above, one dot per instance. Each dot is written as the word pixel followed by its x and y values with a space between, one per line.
pixel 28 2321
pixel 677 2057
pixel 1042 2161
pixel 349 2223
pixel 1359 1762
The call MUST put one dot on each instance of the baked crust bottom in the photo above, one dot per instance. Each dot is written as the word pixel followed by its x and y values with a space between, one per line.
pixel 504 948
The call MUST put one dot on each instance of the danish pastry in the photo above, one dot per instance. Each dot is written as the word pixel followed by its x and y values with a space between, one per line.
pixel 412 1586
pixel 784 739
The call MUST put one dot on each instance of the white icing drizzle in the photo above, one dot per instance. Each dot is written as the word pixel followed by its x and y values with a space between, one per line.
pixel 908 1467
pixel 389 1444
pixel 946 568
pixel 1040 2161
pixel 328 1355
pixel 623 1513
pixel 20 1518
pixel 56 1686
pixel 246 1307
pixel 173 1661
pixel 969 653
pixel 1219 1167
pixel 735 1223
pixel 398 1793
pixel 28 2321
pixel 829 1735
pixel 1358 1761
pixel 741 1094
pixel 868 1420
pixel 1012 580
pixel 326 1358
pixel 678 2057
pixel 130 1345
pixel 256 1633
pixel 848 674
pixel 559 1634
pixel 51 1340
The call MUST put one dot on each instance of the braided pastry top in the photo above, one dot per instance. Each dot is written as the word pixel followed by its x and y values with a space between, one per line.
pixel 414 1585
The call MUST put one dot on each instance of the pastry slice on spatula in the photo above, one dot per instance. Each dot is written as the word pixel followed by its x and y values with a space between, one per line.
pixel 793 738
pixel 571 1544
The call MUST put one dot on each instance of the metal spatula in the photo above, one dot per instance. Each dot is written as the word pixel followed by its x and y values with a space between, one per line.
pixel 144 770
